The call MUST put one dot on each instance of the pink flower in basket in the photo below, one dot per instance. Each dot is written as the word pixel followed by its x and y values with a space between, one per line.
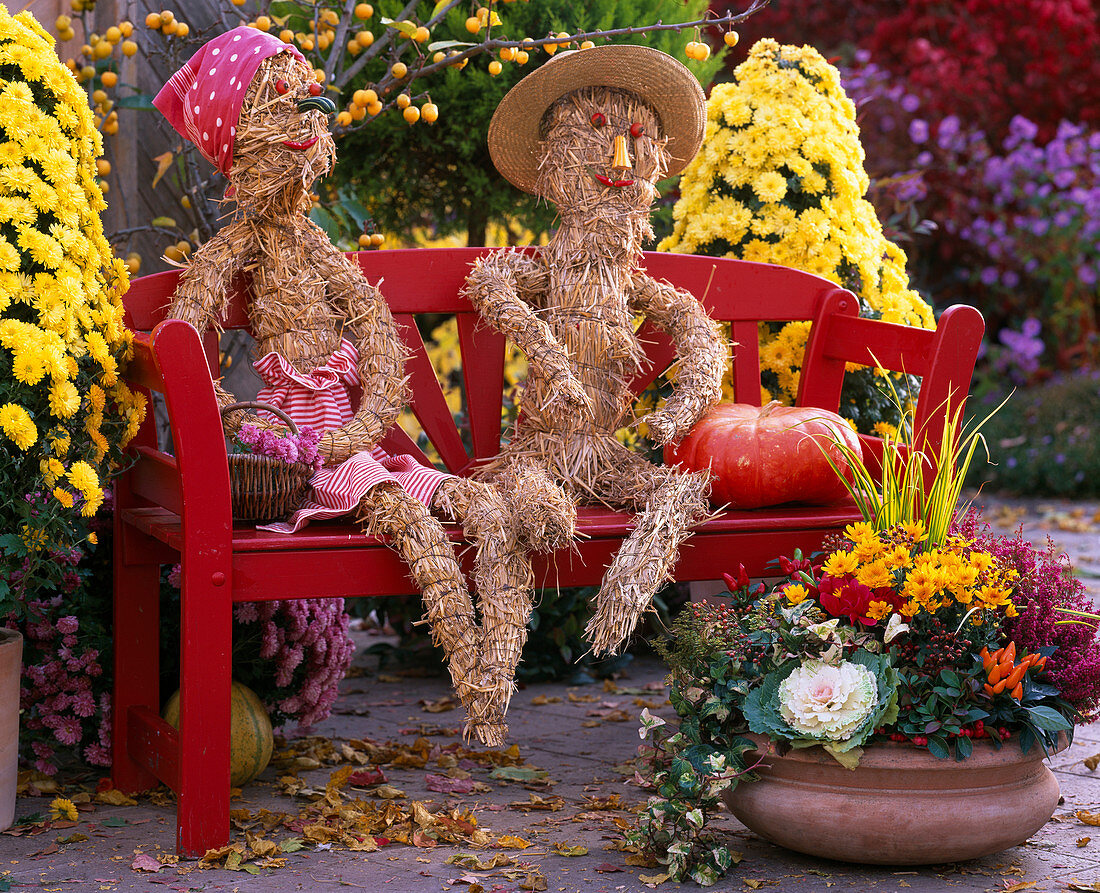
pixel 290 448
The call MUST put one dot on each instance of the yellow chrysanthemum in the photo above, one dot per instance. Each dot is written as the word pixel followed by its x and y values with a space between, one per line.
pixel 17 424
pixel 875 575
pixel 63 496
pixel 840 563
pixel 61 808
pixel 796 593
pixel 877 610
pixel 64 399
pixel 83 477
pixel 782 138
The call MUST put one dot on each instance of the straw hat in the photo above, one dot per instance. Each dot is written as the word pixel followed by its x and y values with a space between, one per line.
pixel 660 80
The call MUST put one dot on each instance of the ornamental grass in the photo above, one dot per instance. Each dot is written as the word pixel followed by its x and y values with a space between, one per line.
pixel 64 413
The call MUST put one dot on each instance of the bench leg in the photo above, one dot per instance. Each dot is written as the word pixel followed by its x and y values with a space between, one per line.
pixel 206 675
pixel 136 664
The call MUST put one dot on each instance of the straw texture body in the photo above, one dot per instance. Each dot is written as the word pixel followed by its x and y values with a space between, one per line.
pixel 307 297
pixel 572 308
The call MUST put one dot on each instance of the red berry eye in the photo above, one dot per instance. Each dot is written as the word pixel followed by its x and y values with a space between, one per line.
pixel 281 86
pixel 314 89
pixel 597 119
pixel 636 129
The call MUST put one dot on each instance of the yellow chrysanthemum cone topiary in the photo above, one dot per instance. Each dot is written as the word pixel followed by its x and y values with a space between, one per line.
pixel 780 179
pixel 64 413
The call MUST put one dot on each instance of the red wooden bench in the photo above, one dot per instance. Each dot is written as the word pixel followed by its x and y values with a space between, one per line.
pixel 176 508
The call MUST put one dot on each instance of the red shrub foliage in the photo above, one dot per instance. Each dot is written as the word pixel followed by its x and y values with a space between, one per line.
pixel 983 60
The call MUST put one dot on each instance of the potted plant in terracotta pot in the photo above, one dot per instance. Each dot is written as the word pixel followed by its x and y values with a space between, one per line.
pixel 63 410
pixel 913 669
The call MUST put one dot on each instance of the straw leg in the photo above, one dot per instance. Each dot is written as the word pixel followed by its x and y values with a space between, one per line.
pixel 675 502
pixel 420 540
pixel 502 573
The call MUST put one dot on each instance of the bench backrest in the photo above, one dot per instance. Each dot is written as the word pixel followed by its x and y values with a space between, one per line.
pixel 744 294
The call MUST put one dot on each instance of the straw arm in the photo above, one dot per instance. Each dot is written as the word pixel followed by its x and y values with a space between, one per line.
pixel 201 298
pixel 370 326
pixel 496 287
pixel 702 353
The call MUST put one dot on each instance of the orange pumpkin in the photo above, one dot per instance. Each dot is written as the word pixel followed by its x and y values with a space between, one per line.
pixel 768 455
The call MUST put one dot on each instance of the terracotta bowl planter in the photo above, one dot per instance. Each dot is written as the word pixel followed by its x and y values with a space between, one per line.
pixel 901 806
pixel 11 654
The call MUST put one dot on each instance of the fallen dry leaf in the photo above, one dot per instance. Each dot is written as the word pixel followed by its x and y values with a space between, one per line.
pixel 511 842
pixel 1088 818
pixel 114 797
pixel 442 705
pixel 367 777
pixel 563 849
pixel 653 880
pixel 388 792
pixel 1083 841
pixel 145 862
pixel 444 785
pixel 534 801
pixel 533 881
pixel 543 700
pixel 1092 762
pixel 1022 885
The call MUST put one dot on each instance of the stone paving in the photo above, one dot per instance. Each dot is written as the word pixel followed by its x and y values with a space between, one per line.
pixel 557 813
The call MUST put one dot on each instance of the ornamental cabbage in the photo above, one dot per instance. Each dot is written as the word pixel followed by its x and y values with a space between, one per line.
pixel 837 706
pixel 825 701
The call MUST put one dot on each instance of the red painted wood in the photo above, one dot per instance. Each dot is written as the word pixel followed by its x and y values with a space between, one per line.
pixel 155 743
pixel 428 402
pixel 156 478
pixel 180 507
pixel 484 382
pixel 207 581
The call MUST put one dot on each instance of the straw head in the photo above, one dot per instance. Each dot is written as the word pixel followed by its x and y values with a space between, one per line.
pixel 666 84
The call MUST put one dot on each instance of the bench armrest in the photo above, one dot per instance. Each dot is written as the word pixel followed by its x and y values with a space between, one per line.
pixel 943 358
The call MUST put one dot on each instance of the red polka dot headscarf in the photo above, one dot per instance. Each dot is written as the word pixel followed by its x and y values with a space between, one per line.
pixel 203 100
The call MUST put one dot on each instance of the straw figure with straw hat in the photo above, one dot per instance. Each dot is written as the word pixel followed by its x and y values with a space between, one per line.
pixel 252 106
pixel 592 131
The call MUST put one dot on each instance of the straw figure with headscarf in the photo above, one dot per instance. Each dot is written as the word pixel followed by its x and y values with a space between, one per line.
pixel 591 132
pixel 252 106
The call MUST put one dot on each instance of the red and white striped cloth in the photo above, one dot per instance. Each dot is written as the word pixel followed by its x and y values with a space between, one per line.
pixel 320 400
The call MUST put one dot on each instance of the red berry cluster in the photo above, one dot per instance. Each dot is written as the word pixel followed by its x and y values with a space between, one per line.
pixel 936 648
pixel 975 730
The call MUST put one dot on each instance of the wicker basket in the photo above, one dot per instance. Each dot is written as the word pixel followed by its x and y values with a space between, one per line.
pixel 264 488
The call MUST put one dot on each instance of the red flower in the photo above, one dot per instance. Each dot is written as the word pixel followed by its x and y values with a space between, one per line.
pixel 845 597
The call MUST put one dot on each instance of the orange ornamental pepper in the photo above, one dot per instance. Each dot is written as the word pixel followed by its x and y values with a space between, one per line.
pixel 999 687
pixel 1041 663
pixel 1009 653
pixel 995 674
pixel 996 655
pixel 1018 692
pixel 987 661
pixel 988 689
pixel 1032 659
pixel 1016 676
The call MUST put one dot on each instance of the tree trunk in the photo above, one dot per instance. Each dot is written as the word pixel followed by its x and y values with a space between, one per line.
pixel 477 220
